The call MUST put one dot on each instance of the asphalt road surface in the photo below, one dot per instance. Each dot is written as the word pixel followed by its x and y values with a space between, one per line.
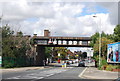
pixel 47 73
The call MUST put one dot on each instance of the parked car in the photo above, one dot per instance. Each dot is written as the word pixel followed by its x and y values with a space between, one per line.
pixel 81 63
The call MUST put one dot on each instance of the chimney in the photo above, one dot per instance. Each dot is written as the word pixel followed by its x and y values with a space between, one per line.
pixel 46 33
pixel 35 35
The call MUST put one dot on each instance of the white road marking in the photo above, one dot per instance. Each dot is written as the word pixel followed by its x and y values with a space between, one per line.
pixel 82 72
pixel 39 75
pixel 37 78
pixel 31 74
pixel 17 77
pixel 50 74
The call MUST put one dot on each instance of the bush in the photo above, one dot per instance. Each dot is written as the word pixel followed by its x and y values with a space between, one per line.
pixel 8 65
pixel 109 67
pixel 100 67
pixel 103 64
pixel 8 62
pixel 116 67
pixel 103 61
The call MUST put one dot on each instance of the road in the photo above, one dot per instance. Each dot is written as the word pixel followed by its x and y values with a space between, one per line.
pixel 72 72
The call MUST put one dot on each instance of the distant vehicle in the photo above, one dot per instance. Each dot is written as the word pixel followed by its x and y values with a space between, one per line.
pixel 74 61
pixel 68 62
pixel 90 61
pixel 54 62
pixel 93 60
pixel 71 62
pixel 81 63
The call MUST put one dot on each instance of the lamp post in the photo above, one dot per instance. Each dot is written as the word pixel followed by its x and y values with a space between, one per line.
pixel 99 40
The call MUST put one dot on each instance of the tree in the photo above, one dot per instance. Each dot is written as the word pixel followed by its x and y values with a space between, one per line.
pixel 7 42
pixel 110 36
pixel 14 48
pixel 104 42
pixel 62 51
pixel 117 33
pixel 94 38
pixel 48 51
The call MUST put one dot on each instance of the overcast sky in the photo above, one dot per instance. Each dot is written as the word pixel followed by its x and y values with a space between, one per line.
pixel 61 18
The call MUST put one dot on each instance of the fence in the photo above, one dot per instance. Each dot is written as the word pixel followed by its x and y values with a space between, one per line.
pixel 9 62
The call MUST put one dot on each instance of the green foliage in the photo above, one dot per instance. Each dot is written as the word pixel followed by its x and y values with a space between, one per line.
pixel 110 36
pixel 62 51
pixel 116 67
pixel 20 34
pixel 104 42
pixel 109 67
pixel 31 41
pixel 105 39
pixel 117 33
pixel 94 38
pixel 48 51
pixel 6 32
pixel 13 46
pixel 103 61
pixel 8 64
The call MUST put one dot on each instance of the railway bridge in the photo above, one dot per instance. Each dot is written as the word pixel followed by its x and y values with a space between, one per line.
pixel 40 42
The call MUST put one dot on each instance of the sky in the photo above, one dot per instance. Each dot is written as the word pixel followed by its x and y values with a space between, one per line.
pixel 72 19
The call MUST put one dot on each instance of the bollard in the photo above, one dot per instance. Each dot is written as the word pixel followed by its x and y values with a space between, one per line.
pixel 62 65
pixel 65 65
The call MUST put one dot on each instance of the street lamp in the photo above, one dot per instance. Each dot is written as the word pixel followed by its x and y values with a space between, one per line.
pixel 99 39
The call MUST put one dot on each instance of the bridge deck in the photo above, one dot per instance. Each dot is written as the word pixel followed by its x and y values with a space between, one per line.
pixel 62 41
pixel 65 45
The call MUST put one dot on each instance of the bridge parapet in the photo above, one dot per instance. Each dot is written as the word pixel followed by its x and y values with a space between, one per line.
pixel 48 40
pixel 62 41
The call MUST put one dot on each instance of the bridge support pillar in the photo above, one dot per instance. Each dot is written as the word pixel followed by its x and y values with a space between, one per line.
pixel 40 57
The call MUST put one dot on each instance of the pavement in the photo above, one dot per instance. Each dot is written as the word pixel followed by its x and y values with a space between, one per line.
pixel 20 69
pixel 94 73
pixel 26 68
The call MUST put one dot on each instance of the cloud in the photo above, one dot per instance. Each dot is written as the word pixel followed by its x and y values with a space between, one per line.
pixel 21 10
pixel 113 10
pixel 59 18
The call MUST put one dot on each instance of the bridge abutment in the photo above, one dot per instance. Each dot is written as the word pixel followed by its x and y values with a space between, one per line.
pixel 40 57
